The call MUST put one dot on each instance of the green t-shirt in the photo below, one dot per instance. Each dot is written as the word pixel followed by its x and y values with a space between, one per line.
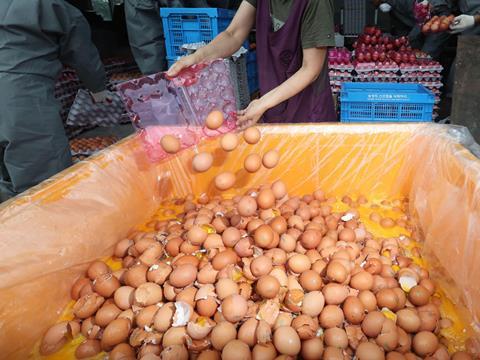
pixel 317 22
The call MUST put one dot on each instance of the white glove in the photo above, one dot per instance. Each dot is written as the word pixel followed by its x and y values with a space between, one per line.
pixel 385 7
pixel 103 97
pixel 462 23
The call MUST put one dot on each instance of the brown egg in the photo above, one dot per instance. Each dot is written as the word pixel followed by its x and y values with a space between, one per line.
pixel 55 337
pixel 299 263
pixel 310 239
pixel 331 316
pixel 247 206
pixel 279 189
pixel 96 269
pixel 170 144
pixel 106 314
pixel 372 323
pixel 264 236
pixel 369 351
pixel 347 235
pixel 148 294
pixel 425 343
pixel 224 258
pixel 123 297
pixel 229 142
pixel 183 275
pixel 251 135
pixel 336 337
pixel 87 305
pixel 270 159
pixel 461 355
pixel 174 352
pixel 174 336
pixel 333 353
pixel 267 287
pixel 261 265
pixel 247 332
pixel 163 318
pixel 305 326
pixel 362 281
pixel 146 315
pixel 224 180
pixel 310 280
pixel 106 284
pixel 236 350
pixel 226 287
pixel 387 222
pixel 115 333
pixel 197 235
pixel 234 308
pixel 266 199
pixel 214 119
pixel 312 349
pixel 202 162
pixel 79 288
pixel 87 349
pixel 408 320
pixel 337 272
pixel 387 298
pixel 354 310
pixel 252 163
pixel 418 295
pixel 264 352
pixel 209 355
pixel 222 333
pixel 335 294
pixel 136 275
pixel 313 303
pixel 122 352
pixel 287 341
pixel 368 300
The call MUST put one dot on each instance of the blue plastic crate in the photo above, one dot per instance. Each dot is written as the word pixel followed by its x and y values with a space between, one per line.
pixel 385 102
pixel 192 25
pixel 252 71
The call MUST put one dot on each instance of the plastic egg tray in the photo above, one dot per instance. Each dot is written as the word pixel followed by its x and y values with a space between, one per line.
pixel 159 105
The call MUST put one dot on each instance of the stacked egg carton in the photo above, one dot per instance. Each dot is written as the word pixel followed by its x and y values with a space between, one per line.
pixel 340 68
pixel 81 148
pixel 428 73
pixel 376 72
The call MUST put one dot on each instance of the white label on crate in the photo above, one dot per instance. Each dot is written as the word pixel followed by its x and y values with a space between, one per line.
pixel 387 97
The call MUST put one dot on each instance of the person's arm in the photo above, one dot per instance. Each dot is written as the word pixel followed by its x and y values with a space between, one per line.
pixel 225 44
pixel 312 66
pixel 78 51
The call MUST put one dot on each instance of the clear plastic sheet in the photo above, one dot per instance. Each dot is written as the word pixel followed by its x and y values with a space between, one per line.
pixel 49 234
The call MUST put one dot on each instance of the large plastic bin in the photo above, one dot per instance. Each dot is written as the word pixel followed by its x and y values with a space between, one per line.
pixel 385 102
pixel 50 234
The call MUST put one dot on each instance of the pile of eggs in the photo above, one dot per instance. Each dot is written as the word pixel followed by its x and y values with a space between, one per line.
pixel 263 275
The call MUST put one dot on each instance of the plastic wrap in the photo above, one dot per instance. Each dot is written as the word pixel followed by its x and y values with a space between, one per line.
pixel 49 234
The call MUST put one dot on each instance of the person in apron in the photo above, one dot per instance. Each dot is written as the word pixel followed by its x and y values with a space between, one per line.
pixel 36 37
pixel 292 41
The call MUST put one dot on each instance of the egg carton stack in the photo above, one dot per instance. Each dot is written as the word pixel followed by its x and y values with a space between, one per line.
pixel 81 148
pixel 340 68
pixel 376 72
pixel 428 73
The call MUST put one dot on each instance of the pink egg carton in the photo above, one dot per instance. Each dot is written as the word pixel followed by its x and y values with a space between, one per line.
pixel 159 105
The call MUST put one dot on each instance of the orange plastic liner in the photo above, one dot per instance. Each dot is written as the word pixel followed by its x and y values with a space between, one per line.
pixel 49 234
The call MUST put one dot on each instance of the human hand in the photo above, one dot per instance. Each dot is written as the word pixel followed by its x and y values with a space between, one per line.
pixel 462 23
pixel 181 64
pixel 250 116
pixel 102 97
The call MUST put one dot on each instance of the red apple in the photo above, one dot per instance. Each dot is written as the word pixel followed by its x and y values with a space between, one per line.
pixel 368 57
pixel 382 57
pixel 375 55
